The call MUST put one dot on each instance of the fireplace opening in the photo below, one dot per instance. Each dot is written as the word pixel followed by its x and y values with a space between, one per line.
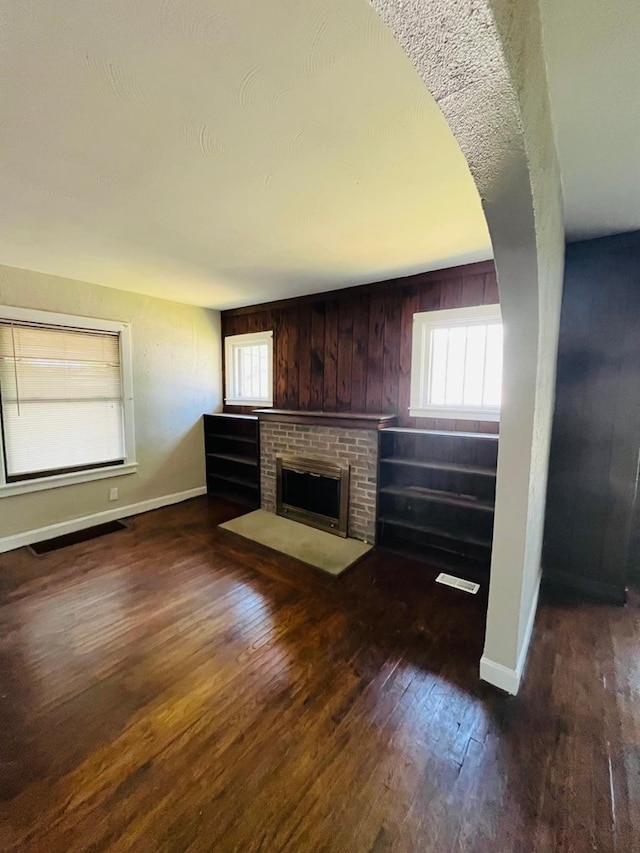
pixel 314 492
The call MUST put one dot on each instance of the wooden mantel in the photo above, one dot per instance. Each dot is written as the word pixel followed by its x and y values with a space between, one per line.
pixel 346 420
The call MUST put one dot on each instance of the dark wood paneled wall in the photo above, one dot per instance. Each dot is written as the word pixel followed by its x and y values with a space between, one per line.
pixel 596 429
pixel 350 350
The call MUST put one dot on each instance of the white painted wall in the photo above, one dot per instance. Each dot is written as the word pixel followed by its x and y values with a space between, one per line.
pixel 527 200
pixel 530 302
pixel 177 377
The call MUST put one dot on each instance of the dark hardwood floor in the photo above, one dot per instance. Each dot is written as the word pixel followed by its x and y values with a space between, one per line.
pixel 172 688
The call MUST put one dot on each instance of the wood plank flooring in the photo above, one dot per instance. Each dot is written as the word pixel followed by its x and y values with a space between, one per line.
pixel 173 688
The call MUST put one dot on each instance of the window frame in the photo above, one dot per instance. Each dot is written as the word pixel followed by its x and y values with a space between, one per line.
pixel 231 342
pixel 102 471
pixel 423 324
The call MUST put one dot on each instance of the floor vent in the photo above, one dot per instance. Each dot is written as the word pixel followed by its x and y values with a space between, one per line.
pixel 458 583
pixel 79 536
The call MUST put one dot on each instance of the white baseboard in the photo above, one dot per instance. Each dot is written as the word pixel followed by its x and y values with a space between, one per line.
pixel 19 540
pixel 502 676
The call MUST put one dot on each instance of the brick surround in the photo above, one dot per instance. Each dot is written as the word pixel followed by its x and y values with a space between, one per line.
pixel 358 447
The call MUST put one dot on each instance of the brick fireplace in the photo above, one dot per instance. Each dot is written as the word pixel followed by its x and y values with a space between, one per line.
pixel 327 437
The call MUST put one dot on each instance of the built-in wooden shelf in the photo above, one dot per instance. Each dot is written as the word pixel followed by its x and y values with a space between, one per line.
pixel 489 436
pixel 467 538
pixel 346 420
pixel 439 496
pixel 232 478
pixel 436 496
pixel 235 457
pixel 441 466
pixel 232 457
pixel 453 562
pixel 242 439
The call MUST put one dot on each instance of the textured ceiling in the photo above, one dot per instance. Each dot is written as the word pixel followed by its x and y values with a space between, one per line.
pixel 224 152
pixel 593 57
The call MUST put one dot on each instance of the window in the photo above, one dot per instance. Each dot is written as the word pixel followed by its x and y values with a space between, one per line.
pixel 456 364
pixel 65 400
pixel 249 369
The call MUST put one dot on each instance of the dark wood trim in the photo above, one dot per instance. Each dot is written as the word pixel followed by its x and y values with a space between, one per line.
pixel 346 420
pixel 479 268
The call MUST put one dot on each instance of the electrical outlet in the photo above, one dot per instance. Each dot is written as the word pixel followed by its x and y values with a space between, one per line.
pixel 113 494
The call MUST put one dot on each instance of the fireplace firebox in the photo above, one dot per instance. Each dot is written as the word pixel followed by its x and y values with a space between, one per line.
pixel 314 492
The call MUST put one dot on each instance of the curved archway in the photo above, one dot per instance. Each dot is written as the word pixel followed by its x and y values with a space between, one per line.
pixel 483 63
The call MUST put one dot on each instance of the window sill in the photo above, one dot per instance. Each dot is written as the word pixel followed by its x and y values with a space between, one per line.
pixel 456 414
pixel 8 490
pixel 262 404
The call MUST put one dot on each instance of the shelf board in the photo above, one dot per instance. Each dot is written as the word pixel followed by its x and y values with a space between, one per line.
pixel 492 436
pixel 437 497
pixel 229 478
pixel 233 457
pixel 429 530
pixel 456 467
pixel 231 437
pixel 232 416
pixel 439 558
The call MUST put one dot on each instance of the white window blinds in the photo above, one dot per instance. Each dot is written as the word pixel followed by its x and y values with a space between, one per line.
pixel 62 399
